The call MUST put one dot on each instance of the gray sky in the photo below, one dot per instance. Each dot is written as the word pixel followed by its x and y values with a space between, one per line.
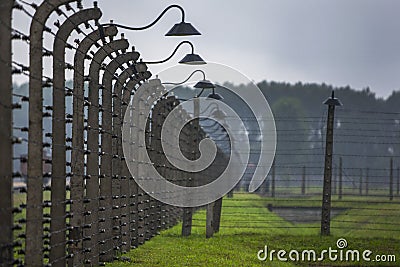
pixel 339 42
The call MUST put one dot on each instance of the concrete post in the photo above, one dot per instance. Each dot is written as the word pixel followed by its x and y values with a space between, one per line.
pixel 133 186
pixel 78 154
pixel 327 190
pixel 34 211
pixel 6 155
pixel 119 111
pixel 217 215
pixel 160 161
pixel 157 156
pixel 135 193
pixel 128 185
pixel 58 192
pixel 220 162
pixel 92 185
pixel 143 98
pixel 155 146
pixel 146 198
pixel 162 168
pixel 134 83
pixel 210 209
pixel 109 187
pixel 174 171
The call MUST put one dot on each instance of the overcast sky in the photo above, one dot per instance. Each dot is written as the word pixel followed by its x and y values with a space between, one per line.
pixel 339 42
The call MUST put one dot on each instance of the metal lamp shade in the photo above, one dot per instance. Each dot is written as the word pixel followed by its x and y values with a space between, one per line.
pixel 333 101
pixel 215 96
pixel 204 84
pixel 192 59
pixel 182 29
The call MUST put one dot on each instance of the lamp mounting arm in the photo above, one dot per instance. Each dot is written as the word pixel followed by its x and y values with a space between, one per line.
pixel 199 94
pixel 151 24
pixel 188 78
pixel 173 53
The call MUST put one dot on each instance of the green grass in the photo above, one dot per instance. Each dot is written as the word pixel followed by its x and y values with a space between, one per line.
pixel 18 199
pixel 247 226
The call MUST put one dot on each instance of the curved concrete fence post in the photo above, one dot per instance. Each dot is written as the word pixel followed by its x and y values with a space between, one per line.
pixel 78 153
pixel 91 242
pixel 119 108
pixel 133 84
pixel 58 181
pixel 135 193
pixel 34 211
pixel 109 186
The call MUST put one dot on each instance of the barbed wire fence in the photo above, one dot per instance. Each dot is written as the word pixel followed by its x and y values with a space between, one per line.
pixel 71 199
pixel 365 181
pixel 67 195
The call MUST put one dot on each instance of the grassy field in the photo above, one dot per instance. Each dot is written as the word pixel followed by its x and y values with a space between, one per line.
pixel 247 226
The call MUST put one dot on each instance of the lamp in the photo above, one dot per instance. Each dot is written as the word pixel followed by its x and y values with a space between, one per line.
pixel 190 59
pixel 187 79
pixel 206 84
pixel 333 101
pixel 179 29
pixel 215 95
pixel 202 84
